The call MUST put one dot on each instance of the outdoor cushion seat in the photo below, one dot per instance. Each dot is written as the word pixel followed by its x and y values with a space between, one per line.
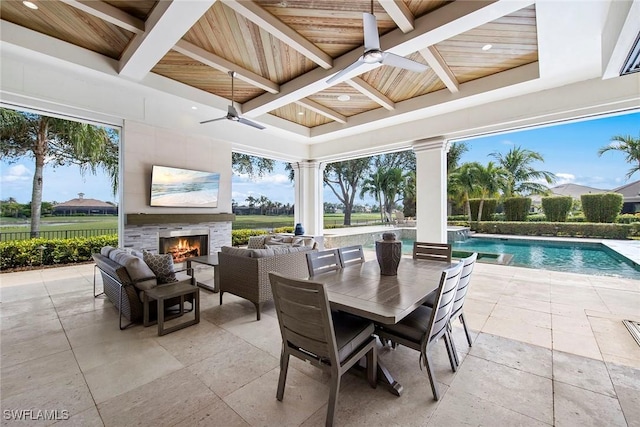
pixel 351 332
pixel 414 326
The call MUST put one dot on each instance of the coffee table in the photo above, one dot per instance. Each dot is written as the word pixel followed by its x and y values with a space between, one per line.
pixel 165 292
pixel 210 260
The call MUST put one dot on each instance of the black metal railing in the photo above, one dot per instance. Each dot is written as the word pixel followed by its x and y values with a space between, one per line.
pixel 57 234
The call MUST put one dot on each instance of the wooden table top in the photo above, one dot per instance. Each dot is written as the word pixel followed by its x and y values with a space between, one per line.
pixel 363 291
pixel 211 259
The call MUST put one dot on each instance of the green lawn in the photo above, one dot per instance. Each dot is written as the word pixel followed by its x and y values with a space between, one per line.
pixel 61 223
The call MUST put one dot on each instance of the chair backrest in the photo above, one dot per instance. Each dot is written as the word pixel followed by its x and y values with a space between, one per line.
pixel 322 261
pixel 444 301
pixel 463 286
pixel 304 315
pixel 432 251
pixel 351 255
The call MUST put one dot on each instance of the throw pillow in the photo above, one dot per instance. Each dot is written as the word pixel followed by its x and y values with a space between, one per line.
pixel 256 242
pixel 161 265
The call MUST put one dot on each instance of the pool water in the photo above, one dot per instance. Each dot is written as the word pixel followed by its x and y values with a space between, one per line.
pixel 583 258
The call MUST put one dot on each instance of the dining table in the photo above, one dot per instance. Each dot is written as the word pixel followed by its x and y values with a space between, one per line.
pixel 361 290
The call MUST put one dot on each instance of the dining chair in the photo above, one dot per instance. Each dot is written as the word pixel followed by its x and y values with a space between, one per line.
pixel 333 341
pixel 425 325
pixel 432 251
pixel 351 255
pixel 322 261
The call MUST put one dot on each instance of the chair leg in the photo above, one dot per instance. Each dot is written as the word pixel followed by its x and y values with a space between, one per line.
pixel 333 397
pixel 372 366
pixel 432 376
pixel 464 325
pixel 448 344
pixel 257 310
pixel 284 366
pixel 221 292
pixel 453 348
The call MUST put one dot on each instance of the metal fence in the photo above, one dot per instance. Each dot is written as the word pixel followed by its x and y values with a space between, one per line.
pixel 57 234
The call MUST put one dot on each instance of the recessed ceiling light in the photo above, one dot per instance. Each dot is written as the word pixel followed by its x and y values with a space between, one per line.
pixel 301 113
pixel 487 47
pixel 344 98
pixel 30 5
pixel 194 108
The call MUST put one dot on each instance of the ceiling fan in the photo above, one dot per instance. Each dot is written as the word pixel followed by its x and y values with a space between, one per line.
pixel 232 113
pixel 372 53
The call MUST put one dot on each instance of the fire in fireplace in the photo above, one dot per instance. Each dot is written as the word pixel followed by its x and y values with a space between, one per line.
pixel 182 246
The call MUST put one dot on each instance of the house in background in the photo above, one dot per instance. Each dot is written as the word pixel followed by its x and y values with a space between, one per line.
pixel 80 205
pixel 631 200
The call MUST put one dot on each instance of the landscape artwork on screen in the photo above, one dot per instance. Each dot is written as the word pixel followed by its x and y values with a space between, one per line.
pixel 184 188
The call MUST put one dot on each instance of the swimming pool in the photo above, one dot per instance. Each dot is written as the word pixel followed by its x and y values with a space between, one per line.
pixel 583 258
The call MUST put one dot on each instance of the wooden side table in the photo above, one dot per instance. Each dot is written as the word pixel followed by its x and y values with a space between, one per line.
pixel 212 261
pixel 164 292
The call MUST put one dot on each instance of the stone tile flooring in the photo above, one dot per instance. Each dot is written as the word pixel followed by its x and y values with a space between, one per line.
pixel 549 349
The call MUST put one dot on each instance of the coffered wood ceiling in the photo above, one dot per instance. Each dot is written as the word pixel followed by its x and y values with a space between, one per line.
pixel 283 51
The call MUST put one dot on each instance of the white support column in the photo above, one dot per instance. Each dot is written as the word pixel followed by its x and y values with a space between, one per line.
pixel 309 199
pixel 431 189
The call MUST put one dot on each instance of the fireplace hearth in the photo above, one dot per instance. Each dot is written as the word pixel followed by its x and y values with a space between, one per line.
pixel 184 244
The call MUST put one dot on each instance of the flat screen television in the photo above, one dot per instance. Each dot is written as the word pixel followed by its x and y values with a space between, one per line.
pixel 176 187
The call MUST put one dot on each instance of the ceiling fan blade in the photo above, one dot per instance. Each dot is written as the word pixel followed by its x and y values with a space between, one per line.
pixel 401 62
pixel 213 120
pixel 371 36
pixel 346 70
pixel 250 123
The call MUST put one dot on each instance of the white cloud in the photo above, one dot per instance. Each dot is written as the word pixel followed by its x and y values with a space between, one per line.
pixel 17 174
pixel 508 142
pixel 274 179
pixel 564 178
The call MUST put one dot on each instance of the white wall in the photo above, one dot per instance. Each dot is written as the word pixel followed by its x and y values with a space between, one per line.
pixel 144 145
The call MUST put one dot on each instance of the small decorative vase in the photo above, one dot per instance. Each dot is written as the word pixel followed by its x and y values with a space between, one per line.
pixel 299 230
pixel 388 252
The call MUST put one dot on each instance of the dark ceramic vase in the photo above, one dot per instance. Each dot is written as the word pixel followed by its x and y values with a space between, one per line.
pixel 388 252
pixel 299 230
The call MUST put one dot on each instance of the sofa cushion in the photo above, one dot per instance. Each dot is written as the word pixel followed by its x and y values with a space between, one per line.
pixel 161 265
pixel 106 250
pixel 256 242
pixel 273 239
pixel 236 251
pixel 262 253
pixel 139 272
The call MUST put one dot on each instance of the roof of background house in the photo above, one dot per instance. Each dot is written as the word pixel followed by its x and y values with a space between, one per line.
pixel 85 203
pixel 630 191
pixel 575 190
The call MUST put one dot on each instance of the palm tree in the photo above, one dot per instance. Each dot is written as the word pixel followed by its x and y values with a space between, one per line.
pixel 463 181
pixel 58 142
pixel 373 186
pixel 489 180
pixel 520 173
pixel 394 181
pixel 628 145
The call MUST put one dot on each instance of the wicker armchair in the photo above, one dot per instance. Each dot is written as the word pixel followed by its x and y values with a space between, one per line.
pixel 248 277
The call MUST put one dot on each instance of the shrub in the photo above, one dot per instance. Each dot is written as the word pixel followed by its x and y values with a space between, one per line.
pixel 628 218
pixel 603 207
pixel 488 208
pixel 556 209
pixel 516 208
pixel 596 230
pixel 25 253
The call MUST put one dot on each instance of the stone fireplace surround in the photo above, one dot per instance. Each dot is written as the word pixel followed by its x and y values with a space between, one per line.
pixel 143 232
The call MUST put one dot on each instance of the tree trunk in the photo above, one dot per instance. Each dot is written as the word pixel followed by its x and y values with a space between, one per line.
pixel 480 209
pixel 36 198
pixel 347 213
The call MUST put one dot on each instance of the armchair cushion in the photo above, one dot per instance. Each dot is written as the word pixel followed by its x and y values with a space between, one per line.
pixel 235 251
pixel 141 275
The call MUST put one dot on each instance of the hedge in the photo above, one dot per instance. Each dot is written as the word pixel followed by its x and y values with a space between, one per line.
pixel 557 208
pixel 25 253
pixel 488 208
pixel 241 237
pixel 516 208
pixel 595 230
pixel 603 207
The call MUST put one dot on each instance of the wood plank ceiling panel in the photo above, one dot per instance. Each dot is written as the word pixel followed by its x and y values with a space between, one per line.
pixel 514 41
pixel 332 25
pixel 68 24
pixel 358 103
pixel 185 70
pixel 422 7
pixel 308 118
pixel 400 85
pixel 138 8
pixel 231 36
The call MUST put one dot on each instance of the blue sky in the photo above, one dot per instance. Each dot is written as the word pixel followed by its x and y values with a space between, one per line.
pixel 570 151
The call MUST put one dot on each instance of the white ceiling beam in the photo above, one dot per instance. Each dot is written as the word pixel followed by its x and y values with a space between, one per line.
pixel 442 24
pixel 166 24
pixel 618 35
pixel 108 13
pixel 322 110
pixel 279 30
pixel 219 63
pixel 372 93
pixel 440 67
pixel 400 13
